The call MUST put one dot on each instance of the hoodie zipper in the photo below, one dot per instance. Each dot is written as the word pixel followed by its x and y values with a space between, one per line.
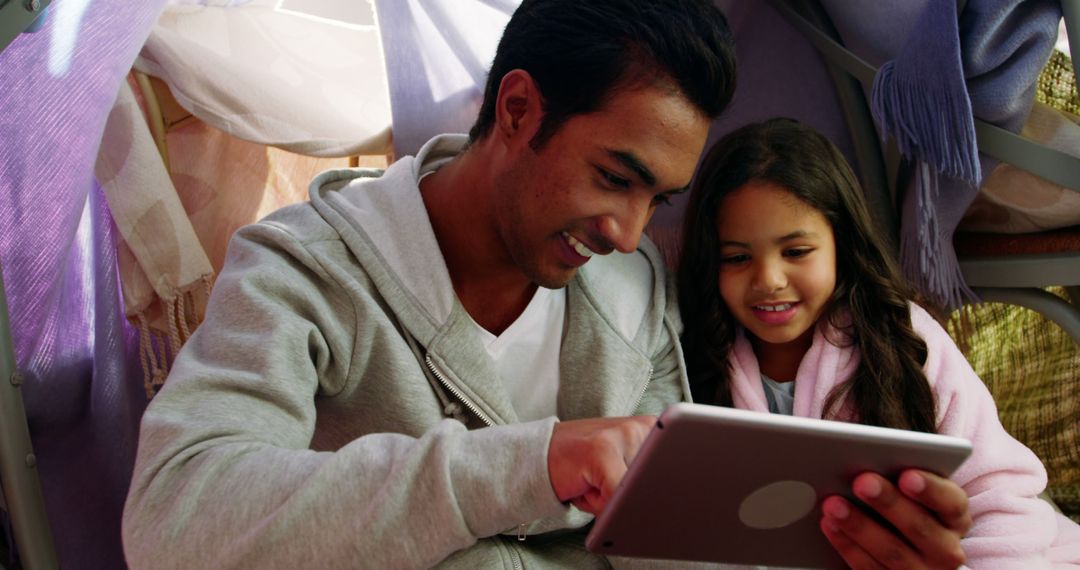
pixel 641 394
pixel 457 393
pixel 514 557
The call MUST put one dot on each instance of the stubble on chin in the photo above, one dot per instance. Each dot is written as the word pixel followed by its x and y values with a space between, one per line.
pixel 556 278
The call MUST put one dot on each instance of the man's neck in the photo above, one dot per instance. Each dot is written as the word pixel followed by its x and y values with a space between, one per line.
pixel 489 285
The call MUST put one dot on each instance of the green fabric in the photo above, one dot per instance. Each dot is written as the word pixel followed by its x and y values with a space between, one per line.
pixel 1032 367
pixel 1057 84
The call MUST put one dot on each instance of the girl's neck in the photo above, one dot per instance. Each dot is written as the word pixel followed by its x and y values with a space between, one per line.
pixel 781 361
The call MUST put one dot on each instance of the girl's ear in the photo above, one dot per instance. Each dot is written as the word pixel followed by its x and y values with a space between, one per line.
pixel 518 107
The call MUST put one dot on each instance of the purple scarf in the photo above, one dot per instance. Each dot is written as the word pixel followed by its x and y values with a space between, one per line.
pixel 984 64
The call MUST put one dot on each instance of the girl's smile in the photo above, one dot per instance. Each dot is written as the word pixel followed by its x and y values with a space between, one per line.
pixel 774 314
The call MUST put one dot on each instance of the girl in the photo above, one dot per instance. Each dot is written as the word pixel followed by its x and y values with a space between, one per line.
pixel 791 305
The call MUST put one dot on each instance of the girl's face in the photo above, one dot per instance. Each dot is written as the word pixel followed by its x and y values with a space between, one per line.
pixel 777 263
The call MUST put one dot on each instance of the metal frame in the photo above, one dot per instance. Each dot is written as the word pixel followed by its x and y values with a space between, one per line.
pixel 18 464
pixel 156 120
pixel 18 15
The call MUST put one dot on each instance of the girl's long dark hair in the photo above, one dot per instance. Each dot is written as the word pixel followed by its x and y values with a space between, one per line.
pixel 869 305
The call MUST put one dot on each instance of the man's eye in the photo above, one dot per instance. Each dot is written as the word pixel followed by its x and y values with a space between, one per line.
pixel 613 180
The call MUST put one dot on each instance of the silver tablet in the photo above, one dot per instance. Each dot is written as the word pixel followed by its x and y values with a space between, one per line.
pixel 725 485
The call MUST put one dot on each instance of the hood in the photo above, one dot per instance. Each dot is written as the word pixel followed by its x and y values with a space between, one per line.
pixel 369 208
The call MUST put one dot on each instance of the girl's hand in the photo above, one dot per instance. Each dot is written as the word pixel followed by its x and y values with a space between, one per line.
pixel 929 512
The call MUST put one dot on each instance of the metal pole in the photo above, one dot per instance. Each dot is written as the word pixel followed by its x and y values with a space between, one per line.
pixel 16 16
pixel 1070 10
pixel 18 464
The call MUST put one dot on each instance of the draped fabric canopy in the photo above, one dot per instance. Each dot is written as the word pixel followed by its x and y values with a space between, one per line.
pixel 58 256
pixel 437 56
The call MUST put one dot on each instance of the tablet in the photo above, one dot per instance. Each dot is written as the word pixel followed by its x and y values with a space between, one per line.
pixel 725 485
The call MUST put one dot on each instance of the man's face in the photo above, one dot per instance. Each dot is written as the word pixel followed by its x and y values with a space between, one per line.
pixel 595 183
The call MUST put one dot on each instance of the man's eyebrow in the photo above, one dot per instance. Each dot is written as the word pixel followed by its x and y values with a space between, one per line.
pixel 630 161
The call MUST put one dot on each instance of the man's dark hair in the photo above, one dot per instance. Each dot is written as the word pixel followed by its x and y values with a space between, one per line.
pixel 580 51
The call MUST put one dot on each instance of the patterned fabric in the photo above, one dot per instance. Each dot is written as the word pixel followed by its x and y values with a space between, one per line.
pixel 1030 365
pixel 1057 84
pixel 1013 200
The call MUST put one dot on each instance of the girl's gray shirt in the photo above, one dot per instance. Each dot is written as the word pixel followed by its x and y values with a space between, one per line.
pixel 337 409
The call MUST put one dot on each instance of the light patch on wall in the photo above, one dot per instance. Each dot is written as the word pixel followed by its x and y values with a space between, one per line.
pixel 65 33
pixel 352 14
pixel 457 42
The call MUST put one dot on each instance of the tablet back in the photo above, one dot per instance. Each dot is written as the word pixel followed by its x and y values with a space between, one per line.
pixel 725 485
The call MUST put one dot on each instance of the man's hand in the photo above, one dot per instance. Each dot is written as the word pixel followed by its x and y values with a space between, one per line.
pixel 588 458
pixel 931 514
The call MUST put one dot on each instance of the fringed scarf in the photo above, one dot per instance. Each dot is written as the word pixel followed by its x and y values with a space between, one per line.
pixel 983 64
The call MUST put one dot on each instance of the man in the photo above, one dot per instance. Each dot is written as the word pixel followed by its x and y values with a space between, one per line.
pixel 379 375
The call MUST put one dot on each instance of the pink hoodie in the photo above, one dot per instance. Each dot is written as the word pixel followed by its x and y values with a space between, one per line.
pixel 1013 528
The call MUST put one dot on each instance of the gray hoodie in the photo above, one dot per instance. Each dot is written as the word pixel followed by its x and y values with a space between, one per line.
pixel 337 409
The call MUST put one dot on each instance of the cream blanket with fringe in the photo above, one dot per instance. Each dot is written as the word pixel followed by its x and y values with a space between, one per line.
pixel 164 272
pixel 175 225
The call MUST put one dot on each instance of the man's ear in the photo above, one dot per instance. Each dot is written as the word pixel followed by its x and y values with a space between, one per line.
pixel 518 109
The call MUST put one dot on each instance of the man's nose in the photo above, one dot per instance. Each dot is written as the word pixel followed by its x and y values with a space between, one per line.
pixel 622 229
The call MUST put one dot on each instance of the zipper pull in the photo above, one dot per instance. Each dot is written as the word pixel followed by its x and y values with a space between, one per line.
pixel 522 534
pixel 453 410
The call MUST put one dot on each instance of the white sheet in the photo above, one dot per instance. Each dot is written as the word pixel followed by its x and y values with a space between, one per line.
pixel 311 82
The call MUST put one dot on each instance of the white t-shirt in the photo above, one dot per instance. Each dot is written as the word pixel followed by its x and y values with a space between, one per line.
pixel 526 354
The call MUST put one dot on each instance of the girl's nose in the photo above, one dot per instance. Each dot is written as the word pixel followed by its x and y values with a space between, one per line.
pixel 768 278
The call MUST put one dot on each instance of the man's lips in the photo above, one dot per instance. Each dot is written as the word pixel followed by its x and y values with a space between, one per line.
pixel 579 247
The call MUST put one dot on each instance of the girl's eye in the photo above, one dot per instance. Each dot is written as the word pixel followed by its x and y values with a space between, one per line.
pixel 798 252
pixel 613 180
pixel 662 199
pixel 734 259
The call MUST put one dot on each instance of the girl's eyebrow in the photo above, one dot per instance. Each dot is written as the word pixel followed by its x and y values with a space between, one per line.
pixel 797 234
